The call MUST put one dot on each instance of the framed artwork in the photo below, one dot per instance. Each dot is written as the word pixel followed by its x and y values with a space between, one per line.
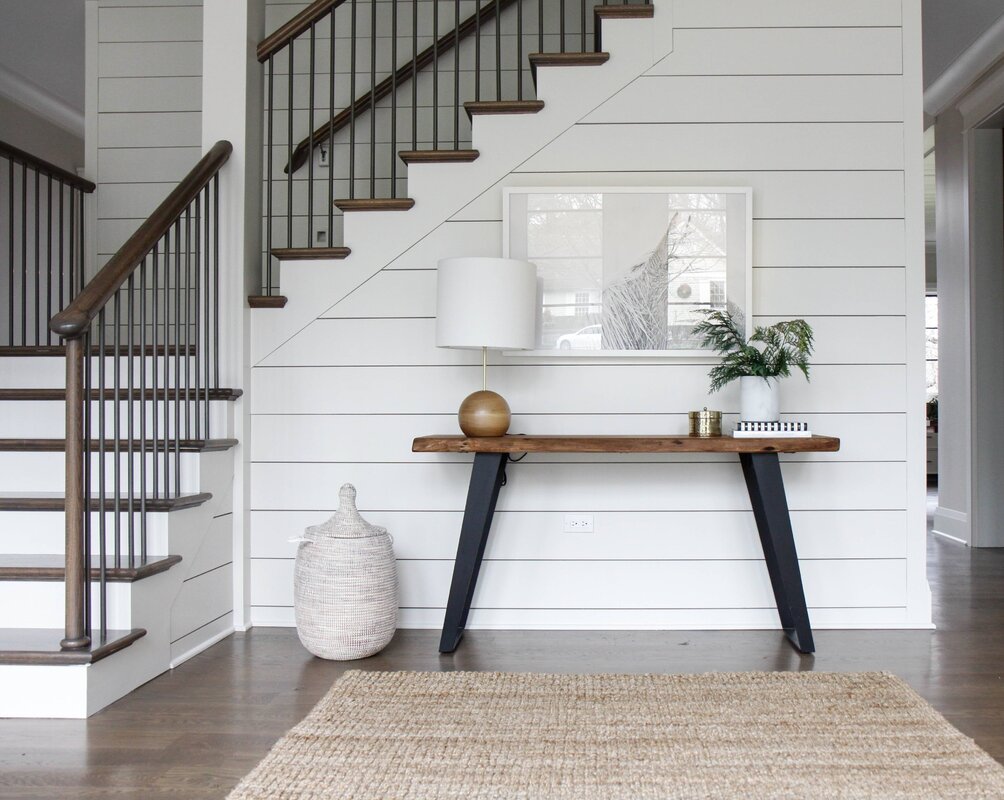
pixel 626 271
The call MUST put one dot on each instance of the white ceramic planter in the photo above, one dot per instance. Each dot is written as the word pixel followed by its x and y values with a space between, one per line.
pixel 759 399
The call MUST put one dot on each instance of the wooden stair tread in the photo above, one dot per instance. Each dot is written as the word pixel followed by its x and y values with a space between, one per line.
pixel 568 59
pixel 59 445
pixel 121 394
pixel 267 300
pixel 307 253
pixel 41 646
pixel 56 501
pixel 42 567
pixel 375 204
pixel 59 351
pixel 437 156
pixel 624 12
pixel 503 107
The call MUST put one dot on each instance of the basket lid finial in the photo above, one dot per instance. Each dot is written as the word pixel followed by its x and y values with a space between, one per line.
pixel 346 523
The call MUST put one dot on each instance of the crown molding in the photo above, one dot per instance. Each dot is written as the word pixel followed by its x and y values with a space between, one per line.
pixel 33 97
pixel 966 69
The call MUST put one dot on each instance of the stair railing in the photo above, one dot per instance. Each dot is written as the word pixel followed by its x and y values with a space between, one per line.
pixel 355 80
pixel 142 364
pixel 42 238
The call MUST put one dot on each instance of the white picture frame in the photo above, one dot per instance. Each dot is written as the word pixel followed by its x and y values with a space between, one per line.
pixel 608 257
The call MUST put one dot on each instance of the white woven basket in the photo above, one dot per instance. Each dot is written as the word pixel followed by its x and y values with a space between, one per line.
pixel 345 585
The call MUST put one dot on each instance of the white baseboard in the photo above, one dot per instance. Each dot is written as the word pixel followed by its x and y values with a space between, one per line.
pixel 952 524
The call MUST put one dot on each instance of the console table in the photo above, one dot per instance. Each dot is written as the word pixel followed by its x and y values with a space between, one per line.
pixel 761 468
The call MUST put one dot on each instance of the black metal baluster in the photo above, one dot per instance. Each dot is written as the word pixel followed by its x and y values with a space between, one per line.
pixel 81 234
pixel 205 355
pixel 117 386
pixel 143 406
pixel 86 466
pixel 62 238
pixel 24 255
pixel 157 363
pixel 310 149
pixel 130 434
pixel 268 177
pixel 102 495
pixel 540 26
pixel 519 49
pixel 198 311
pixel 78 269
pixel 37 323
pixel 352 103
pixel 393 98
pixel 561 24
pixel 289 153
pixel 10 256
pixel 216 278
pixel 477 50
pixel 414 74
pixel 48 257
pixel 331 131
pixel 188 320
pixel 177 357
pixel 435 74
pixel 456 74
pixel 582 24
pixel 498 52
pixel 373 107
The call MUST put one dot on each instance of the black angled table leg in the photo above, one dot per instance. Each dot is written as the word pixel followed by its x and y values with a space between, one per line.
pixel 770 509
pixel 486 480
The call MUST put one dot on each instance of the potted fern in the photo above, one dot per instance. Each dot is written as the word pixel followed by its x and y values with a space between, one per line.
pixel 758 363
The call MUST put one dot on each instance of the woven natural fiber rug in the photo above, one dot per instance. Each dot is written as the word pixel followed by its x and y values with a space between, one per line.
pixel 736 736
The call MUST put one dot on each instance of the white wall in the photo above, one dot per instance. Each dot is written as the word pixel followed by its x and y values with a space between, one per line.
pixel 817 107
pixel 36 135
pixel 144 101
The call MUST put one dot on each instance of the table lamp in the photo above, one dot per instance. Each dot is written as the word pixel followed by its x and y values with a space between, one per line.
pixel 482 303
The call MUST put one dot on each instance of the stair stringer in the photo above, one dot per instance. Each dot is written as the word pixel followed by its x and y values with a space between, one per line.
pixel 157 604
pixel 441 190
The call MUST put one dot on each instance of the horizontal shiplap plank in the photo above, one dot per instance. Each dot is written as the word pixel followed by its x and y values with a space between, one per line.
pixel 617 535
pixel 146 164
pixel 567 388
pixel 807 292
pixel 829 243
pixel 152 24
pixel 654 584
pixel 810 195
pixel 202 599
pixel 149 59
pixel 131 200
pixel 715 146
pixel 388 437
pixel 412 342
pixel 760 98
pixel 168 129
pixel 743 50
pixel 149 94
pixel 784 13
pixel 602 619
pixel 539 486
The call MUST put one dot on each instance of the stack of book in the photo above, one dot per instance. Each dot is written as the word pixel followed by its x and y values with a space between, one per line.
pixel 764 430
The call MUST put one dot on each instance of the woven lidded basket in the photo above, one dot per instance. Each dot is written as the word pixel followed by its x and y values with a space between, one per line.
pixel 345 585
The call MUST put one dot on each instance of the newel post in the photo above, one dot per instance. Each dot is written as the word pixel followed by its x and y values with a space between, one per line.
pixel 77 572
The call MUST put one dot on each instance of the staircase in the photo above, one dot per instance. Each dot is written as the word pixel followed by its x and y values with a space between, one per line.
pixel 370 147
pixel 115 458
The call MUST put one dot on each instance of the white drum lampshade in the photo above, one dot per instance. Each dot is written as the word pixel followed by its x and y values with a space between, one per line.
pixel 486 303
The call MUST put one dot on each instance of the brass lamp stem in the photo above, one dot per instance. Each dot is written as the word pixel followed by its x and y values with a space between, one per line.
pixel 484 368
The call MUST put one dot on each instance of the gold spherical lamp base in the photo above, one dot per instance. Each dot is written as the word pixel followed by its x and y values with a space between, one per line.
pixel 484 413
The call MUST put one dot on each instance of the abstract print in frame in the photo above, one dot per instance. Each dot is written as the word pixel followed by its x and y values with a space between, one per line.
pixel 626 271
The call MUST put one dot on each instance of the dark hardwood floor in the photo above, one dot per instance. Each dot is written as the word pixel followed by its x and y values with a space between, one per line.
pixel 192 733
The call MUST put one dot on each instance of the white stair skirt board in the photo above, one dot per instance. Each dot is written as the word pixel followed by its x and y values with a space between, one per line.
pixel 440 190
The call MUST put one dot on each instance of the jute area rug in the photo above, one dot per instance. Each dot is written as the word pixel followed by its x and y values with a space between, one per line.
pixel 471 735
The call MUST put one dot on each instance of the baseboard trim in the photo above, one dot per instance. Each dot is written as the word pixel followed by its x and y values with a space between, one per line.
pixel 952 524
pixel 202 646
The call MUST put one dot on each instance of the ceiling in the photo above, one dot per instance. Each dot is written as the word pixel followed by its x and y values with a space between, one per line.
pixel 43 41
pixel 950 27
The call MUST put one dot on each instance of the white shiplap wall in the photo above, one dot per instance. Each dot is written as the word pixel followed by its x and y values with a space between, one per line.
pixel 805 102
pixel 145 103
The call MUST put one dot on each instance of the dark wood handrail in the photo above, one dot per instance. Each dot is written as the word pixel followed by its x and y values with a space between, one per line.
pixel 74 320
pixel 274 42
pixel 43 166
pixel 404 74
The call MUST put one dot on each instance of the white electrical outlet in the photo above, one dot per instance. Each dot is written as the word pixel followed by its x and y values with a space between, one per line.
pixel 578 523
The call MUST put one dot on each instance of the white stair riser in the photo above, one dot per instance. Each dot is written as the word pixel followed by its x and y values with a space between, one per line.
pixel 45 472
pixel 35 419
pixel 50 373
pixel 44 532
pixel 42 604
